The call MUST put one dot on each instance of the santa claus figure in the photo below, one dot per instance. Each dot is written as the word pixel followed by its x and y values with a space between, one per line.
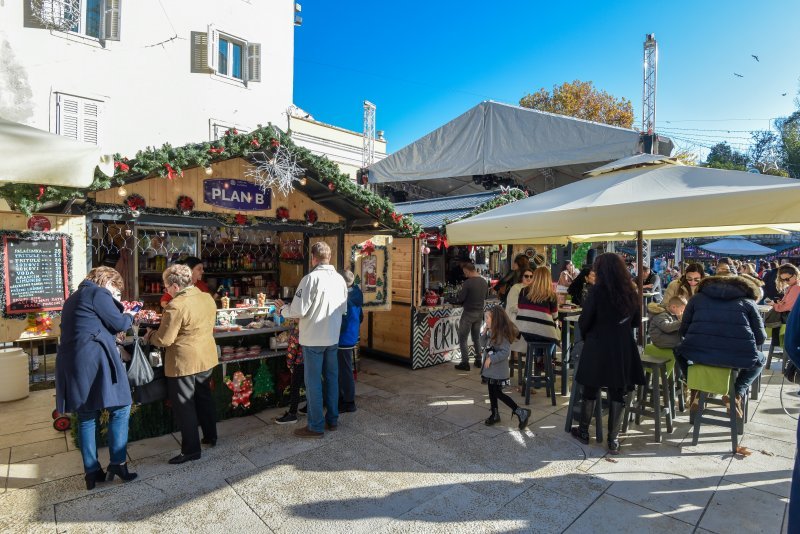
pixel 242 388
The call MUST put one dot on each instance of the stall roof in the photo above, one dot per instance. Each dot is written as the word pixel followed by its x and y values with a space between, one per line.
pixel 495 138
pixel 432 213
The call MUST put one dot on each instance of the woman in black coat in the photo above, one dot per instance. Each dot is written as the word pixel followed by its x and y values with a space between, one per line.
pixel 610 357
pixel 90 375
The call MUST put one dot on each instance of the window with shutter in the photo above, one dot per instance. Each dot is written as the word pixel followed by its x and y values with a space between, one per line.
pixel 199 54
pixel 254 62
pixel 111 19
pixel 78 118
pixel 212 53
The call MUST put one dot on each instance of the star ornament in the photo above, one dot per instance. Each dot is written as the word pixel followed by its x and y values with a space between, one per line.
pixel 278 171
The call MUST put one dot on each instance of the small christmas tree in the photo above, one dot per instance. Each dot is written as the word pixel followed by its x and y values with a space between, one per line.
pixel 379 295
pixel 264 382
pixel 379 283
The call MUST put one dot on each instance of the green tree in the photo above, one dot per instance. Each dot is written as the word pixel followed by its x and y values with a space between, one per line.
pixel 789 133
pixel 722 156
pixel 584 101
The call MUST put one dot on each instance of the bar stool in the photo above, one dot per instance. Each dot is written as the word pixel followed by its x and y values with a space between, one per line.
pixel 707 379
pixel 547 350
pixel 669 358
pixel 658 390
pixel 574 397
pixel 772 346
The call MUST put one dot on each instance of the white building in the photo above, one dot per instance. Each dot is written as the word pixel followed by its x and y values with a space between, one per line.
pixel 341 146
pixel 137 73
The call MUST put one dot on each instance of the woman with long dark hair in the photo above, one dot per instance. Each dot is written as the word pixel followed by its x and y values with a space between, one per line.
pixel 610 357
pixel 513 277
pixel 579 288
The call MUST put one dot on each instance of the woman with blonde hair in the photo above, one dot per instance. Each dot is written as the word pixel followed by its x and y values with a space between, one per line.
pixel 537 309
pixel 90 375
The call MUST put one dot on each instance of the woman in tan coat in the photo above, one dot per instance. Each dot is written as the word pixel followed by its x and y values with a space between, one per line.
pixel 187 332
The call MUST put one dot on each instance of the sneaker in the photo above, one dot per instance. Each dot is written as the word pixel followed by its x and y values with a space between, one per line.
pixel 286 419
pixel 462 367
pixel 306 432
pixel 331 427
pixel 303 410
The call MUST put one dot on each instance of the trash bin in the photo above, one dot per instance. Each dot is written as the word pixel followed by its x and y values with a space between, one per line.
pixel 13 374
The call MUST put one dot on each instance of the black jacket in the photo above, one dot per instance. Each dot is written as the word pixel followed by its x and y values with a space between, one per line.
pixel 770 285
pixel 610 357
pixel 721 324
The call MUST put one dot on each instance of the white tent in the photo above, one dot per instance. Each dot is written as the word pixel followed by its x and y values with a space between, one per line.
pixel 652 194
pixel 32 156
pixel 494 138
pixel 736 245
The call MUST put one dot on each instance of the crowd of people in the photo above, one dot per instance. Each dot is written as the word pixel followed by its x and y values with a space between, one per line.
pixel 91 376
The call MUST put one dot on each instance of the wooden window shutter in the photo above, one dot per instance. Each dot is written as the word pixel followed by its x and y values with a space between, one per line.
pixel 68 116
pixel 199 52
pixel 253 62
pixel 212 39
pixel 91 122
pixel 111 20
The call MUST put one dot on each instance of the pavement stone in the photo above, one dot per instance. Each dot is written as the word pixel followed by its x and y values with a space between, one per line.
pixel 736 508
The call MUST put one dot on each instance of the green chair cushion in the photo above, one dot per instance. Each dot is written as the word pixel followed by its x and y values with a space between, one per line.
pixel 665 355
pixel 783 334
pixel 709 378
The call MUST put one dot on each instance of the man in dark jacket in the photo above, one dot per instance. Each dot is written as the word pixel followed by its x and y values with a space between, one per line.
pixel 722 327
pixel 770 283
pixel 473 297
pixel 348 339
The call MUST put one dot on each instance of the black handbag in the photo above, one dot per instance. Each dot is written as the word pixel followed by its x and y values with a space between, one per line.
pixel 140 372
pixel 153 391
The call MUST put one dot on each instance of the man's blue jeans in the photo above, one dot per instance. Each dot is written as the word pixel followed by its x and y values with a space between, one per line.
pixel 319 361
pixel 117 436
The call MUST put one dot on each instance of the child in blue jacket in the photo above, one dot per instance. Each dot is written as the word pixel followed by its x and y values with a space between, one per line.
pixel 348 339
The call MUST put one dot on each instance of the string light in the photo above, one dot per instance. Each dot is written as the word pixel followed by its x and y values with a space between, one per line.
pixel 122 192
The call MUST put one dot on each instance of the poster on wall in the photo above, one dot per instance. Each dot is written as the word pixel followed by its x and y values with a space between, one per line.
pixel 371 264
pixel 35 272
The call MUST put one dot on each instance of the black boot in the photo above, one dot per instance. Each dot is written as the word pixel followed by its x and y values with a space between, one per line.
pixel 523 414
pixel 581 432
pixel 615 411
pixel 493 419
pixel 94 477
pixel 121 471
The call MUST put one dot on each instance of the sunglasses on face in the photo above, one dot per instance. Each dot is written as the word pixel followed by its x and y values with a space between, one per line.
pixel 527 276
pixel 787 279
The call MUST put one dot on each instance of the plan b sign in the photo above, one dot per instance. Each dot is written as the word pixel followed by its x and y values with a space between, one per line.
pixel 236 195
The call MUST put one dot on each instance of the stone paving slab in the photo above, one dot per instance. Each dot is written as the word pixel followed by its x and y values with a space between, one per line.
pixel 415 457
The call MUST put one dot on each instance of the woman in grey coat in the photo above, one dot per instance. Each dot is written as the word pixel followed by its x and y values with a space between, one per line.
pixel 496 341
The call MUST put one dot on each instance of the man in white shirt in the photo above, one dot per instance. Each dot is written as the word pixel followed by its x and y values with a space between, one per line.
pixel 319 303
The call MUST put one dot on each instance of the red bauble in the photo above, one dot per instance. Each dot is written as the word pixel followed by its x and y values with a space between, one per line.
pixel 332 186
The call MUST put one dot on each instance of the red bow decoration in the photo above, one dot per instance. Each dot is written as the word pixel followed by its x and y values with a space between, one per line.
pixel 123 167
pixel 135 202
pixel 240 219
pixel 441 240
pixel 42 190
pixel 255 143
pixel 274 142
pixel 172 173
pixel 311 216
pixel 396 217
pixel 282 213
pixel 216 150
pixel 368 248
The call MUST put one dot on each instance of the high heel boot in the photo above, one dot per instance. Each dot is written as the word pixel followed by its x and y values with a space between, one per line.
pixel 615 411
pixel 493 419
pixel 121 471
pixel 523 414
pixel 94 477
pixel 581 432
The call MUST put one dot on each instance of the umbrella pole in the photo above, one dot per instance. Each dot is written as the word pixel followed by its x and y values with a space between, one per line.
pixel 640 281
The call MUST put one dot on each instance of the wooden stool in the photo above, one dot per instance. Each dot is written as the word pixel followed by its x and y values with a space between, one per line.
pixel 707 379
pixel 548 350
pixel 658 390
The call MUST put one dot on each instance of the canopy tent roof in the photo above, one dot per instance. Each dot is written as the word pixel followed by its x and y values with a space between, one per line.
pixel 432 213
pixel 737 246
pixel 495 138
pixel 658 196
pixel 32 156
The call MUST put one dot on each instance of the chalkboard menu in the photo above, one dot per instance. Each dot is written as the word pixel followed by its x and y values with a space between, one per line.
pixel 35 272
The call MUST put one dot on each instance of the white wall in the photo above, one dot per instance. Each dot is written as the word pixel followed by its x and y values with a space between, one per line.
pixel 150 94
pixel 341 146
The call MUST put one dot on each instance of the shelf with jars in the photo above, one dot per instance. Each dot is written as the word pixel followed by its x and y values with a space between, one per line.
pixel 240 263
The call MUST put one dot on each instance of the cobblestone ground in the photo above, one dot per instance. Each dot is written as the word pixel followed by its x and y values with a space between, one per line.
pixel 416 456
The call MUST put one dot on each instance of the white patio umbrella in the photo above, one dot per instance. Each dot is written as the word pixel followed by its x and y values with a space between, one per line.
pixel 652 195
pixel 737 246
pixel 32 156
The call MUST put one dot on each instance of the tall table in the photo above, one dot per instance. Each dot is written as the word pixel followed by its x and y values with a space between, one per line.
pixel 565 312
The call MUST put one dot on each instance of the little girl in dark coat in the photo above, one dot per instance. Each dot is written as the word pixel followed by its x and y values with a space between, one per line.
pixel 499 334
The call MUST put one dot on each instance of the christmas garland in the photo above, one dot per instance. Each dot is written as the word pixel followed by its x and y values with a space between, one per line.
pixel 224 219
pixel 169 162
pixel 32 236
pixel 507 196
pixel 358 249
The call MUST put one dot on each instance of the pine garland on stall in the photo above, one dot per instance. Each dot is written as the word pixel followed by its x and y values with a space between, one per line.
pixel 169 162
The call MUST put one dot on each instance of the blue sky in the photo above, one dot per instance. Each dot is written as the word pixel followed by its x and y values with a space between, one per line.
pixel 424 63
